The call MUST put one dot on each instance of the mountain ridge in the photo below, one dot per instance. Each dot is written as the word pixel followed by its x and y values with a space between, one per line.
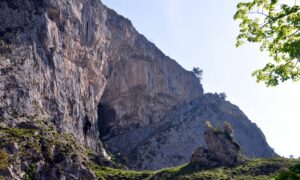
pixel 84 68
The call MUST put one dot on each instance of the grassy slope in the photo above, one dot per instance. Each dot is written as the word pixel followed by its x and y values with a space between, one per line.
pixel 256 169
pixel 30 138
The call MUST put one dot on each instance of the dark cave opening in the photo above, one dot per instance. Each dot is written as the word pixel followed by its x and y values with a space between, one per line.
pixel 87 125
pixel 106 115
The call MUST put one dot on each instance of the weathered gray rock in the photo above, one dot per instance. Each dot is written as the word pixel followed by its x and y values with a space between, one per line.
pixel 55 64
pixel 65 54
pixel 11 148
pixel 172 141
pixel 83 67
pixel 48 155
pixel 222 149
pixel 58 57
pixel 202 157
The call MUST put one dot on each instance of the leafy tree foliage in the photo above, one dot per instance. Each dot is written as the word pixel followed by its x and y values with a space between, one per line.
pixel 276 26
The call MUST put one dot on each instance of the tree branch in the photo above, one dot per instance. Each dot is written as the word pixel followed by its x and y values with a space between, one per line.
pixel 261 13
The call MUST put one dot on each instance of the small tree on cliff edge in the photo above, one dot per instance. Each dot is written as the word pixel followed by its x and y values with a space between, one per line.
pixel 223 95
pixel 198 72
pixel 275 25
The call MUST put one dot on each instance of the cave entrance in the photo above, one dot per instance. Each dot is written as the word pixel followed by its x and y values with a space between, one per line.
pixel 106 115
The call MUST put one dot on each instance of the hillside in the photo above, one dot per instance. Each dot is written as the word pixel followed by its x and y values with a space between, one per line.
pixel 258 169
pixel 34 150
pixel 80 88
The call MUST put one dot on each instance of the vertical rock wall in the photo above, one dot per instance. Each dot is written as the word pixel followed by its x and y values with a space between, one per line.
pixel 85 68
pixel 56 64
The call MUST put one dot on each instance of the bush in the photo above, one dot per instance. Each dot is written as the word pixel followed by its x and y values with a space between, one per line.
pixel 198 73
pixel 293 173
pixel 3 159
pixel 223 95
pixel 5 47
pixel 227 127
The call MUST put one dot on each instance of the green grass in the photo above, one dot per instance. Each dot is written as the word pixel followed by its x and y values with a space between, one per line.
pixel 30 141
pixel 111 173
pixel 17 132
pixel 257 169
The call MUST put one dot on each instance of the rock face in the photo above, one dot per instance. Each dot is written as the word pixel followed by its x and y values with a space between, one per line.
pixel 34 150
pixel 172 141
pixel 83 67
pixel 54 64
pixel 64 54
pixel 222 149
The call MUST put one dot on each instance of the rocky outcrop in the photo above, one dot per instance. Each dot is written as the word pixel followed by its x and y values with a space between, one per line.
pixel 81 66
pixel 222 149
pixel 54 64
pixel 33 150
pixel 63 55
pixel 172 141
pixel 142 83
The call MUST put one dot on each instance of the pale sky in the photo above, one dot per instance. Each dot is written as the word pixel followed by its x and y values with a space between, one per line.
pixel 202 34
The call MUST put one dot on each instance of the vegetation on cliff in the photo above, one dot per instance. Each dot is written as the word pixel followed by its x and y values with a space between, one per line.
pixel 34 149
pixel 75 63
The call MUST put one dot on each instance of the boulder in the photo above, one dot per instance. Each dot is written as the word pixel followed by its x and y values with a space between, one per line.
pixel 222 149
pixel 11 148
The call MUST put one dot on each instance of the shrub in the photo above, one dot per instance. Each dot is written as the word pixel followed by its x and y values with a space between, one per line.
pixel 223 95
pixel 3 159
pixel 5 47
pixel 293 173
pixel 227 127
pixel 198 73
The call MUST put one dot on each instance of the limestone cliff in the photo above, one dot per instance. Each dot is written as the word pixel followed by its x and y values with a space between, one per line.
pixel 173 140
pixel 55 67
pixel 85 68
